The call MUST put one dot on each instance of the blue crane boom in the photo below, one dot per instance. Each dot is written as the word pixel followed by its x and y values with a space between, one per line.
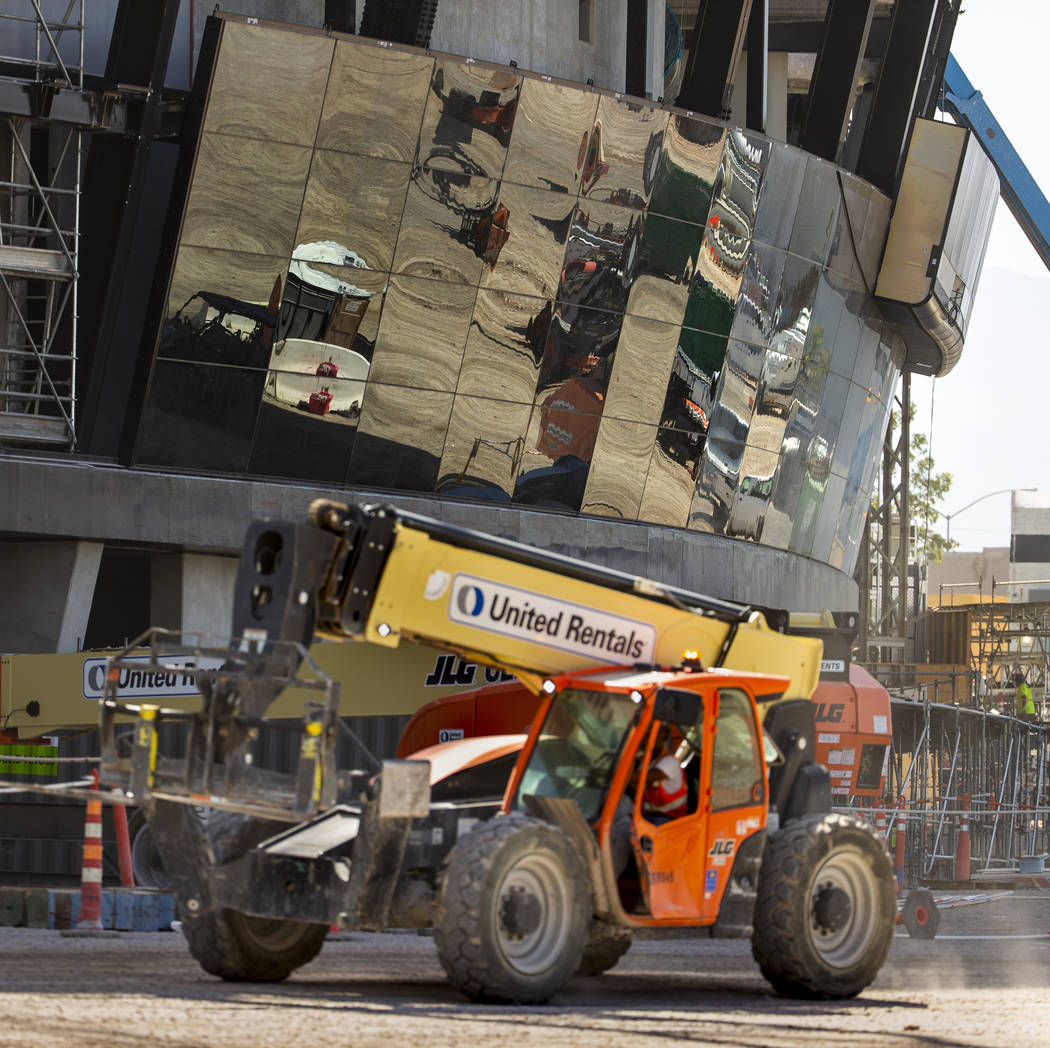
pixel 966 105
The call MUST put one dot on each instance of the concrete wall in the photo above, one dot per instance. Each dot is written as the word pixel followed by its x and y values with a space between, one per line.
pixel 47 592
pixel 541 35
pixel 205 518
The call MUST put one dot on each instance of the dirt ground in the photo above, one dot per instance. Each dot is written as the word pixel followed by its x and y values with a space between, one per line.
pixel 984 981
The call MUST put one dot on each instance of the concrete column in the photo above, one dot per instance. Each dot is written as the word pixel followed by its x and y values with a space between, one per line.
pixel 655 59
pixel 207 593
pixel 48 588
pixel 776 95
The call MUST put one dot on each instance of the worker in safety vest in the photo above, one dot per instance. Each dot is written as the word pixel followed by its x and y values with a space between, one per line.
pixel 666 793
pixel 1025 702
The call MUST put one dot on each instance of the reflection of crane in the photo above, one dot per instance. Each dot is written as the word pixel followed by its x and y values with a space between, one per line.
pixel 1023 197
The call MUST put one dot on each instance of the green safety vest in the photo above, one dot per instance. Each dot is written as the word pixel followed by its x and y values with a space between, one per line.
pixel 1025 702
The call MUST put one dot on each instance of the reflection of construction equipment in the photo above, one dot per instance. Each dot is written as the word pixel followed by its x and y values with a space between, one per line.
pixel 571 864
pixel 320 402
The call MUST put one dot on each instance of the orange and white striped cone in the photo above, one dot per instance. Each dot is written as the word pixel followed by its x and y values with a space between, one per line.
pixel 89 921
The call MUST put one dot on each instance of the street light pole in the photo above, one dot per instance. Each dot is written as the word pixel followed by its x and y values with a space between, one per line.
pixel 948 516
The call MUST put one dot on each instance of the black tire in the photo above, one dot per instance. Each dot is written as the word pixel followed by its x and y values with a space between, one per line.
pixel 606 944
pixel 513 911
pixel 239 948
pixel 826 907
pixel 147 865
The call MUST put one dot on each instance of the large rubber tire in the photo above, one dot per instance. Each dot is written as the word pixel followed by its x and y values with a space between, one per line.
pixel 606 944
pixel 252 949
pixel 513 911
pixel 147 866
pixel 826 907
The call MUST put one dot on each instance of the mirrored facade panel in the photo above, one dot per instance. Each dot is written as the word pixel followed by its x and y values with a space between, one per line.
pixel 871 239
pixel 199 416
pixel 552 130
pixel 603 242
pixel 505 346
pixel 816 216
pixel 769 420
pixel 864 365
pixel 249 100
pixel 559 446
pixel 689 163
pixel 400 438
pixel 223 308
pixel 850 531
pixel 848 446
pixel 759 473
pixel 812 473
pixel 233 175
pixel 527 240
pixel 719 472
pixel 330 301
pixel 354 205
pixel 623 152
pixel 848 335
pixel 827 519
pixel 468 120
pixel 843 256
pixel 832 409
pixel 781 189
pixel 307 423
pixel 580 349
pixel 792 315
pixel 758 304
pixel 663 265
pixel 671 479
pixel 395 83
pixel 451 228
pixel 738 388
pixel 422 333
pixel 483 449
pixel 646 348
pixel 618 471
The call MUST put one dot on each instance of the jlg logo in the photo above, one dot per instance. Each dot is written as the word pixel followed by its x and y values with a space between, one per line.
pixel 722 847
pixel 830 713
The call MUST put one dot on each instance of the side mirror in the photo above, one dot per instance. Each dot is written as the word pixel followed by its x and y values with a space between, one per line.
pixel 683 708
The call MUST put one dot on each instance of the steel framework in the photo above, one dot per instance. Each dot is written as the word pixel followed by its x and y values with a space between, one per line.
pixel 39 231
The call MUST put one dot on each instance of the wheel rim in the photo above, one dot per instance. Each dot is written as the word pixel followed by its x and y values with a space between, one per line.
pixel 843 909
pixel 147 867
pixel 533 914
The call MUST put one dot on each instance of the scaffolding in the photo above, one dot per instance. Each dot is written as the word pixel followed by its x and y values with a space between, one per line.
pixel 39 228
pixel 953 770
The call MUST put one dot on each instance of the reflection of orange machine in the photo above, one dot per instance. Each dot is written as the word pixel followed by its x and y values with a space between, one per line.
pixel 569 417
pixel 491 234
pixel 852 721
pixel 320 402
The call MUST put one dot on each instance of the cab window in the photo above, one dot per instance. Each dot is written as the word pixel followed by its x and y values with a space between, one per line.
pixel 736 757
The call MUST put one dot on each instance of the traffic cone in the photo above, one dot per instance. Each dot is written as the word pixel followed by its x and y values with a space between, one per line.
pixel 962 848
pixel 89 921
pixel 880 821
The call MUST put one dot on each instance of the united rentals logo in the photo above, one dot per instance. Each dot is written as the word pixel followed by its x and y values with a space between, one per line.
pixel 600 635
pixel 140 678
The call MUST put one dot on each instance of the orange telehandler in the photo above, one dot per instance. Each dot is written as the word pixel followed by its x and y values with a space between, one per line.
pixel 535 867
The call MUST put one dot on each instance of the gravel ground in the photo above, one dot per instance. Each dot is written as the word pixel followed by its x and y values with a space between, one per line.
pixel 982 982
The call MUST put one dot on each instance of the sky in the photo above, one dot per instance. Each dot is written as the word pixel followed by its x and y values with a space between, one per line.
pixel 988 419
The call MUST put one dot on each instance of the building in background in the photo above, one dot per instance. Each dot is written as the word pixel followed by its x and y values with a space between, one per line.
pixel 535 298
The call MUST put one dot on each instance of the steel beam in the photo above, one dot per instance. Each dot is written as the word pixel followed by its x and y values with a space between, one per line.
pixel 714 52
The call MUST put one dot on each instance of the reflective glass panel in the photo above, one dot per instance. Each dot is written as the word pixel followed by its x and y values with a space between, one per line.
pixel 692 153
pixel 469 118
pixel 623 152
pixel 222 308
pixel 505 345
pixel 617 476
pixel 199 416
pixel 759 295
pixel 843 257
pixel 354 205
pixel 848 447
pixel 739 386
pixel 781 188
pixel 719 471
pixel 828 519
pixel 645 354
pixel 451 227
pixel 400 438
pixel 872 237
pixel 817 212
pixel 307 422
pixel 580 348
pixel 671 478
pixel 422 333
pixel 666 259
pixel 484 448
pixel 810 473
pixel 395 85
pixel 559 444
pixel 759 474
pixel 232 176
pixel 600 257
pixel 337 305
pixel 551 132
pixel 248 100
pixel 527 238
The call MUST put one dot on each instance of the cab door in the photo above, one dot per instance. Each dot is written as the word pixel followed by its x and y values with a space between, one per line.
pixel 666 848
